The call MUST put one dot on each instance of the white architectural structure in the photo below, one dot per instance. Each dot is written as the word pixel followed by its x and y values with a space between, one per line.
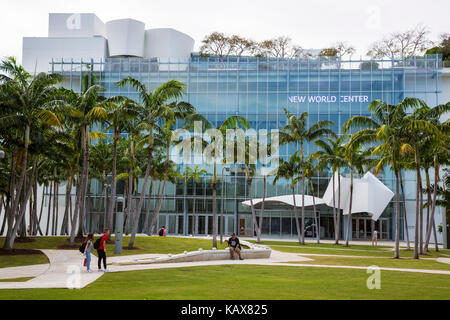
pixel 370 196
pixel 85 37
pixel 310 201
pixel 125 38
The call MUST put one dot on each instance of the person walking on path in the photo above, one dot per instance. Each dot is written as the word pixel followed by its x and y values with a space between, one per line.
pixel 88 250
pixel 101 250
pixel 375 238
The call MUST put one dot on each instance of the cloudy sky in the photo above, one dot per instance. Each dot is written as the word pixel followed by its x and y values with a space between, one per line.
pixel 311 24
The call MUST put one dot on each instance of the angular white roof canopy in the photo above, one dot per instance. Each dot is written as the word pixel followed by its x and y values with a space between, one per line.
pixel 370 196
pixel 287 199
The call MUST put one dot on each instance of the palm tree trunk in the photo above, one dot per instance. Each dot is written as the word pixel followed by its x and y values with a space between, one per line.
pixel 44 188
pixel 112 199
pixel 129 197
pixel 405 218
pixel 249 187
pixel 161 196
pixel 349 218
pixel 66 210
pixel 214 185
pixel 397 216
pixel 138 213
pixel 23 206
pixel 315 212
pixel 49 208
pixel 9 215
pixel 418 203
pixel 261 214
pixel 433 208
pixel 297 224
pixel 339 207
pixel 83 208
pixel 421 217
pixel 147 210
pixel 193 210
pixel 302 164
pixel 147 170
pixel 76 210
pixel 99 208
pixel 334 210
pixel 23 171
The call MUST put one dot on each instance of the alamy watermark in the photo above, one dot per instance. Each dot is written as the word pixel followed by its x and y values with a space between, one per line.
pixel 374 281
pixel 73 281
pixel 235 146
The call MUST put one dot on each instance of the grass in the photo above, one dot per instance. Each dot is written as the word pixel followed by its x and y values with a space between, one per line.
pixel 380 262
pixel 352 250
pixel 231 282
pixel 22 260
pixel 143 245
pixel 24 279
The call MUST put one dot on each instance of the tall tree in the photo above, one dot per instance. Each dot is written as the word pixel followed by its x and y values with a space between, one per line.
pixel 298 132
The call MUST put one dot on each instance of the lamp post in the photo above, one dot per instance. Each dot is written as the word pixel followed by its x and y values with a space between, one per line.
pixel 221 206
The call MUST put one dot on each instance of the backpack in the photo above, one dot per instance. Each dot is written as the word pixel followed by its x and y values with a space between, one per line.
pixel 82 247
pixel 161 232
pixel 97 243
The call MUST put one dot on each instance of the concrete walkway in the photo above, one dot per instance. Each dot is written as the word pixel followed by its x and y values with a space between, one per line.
pixel 23 272
pixel 66 270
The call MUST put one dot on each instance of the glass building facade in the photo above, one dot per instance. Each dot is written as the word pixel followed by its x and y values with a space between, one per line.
pixel 259 89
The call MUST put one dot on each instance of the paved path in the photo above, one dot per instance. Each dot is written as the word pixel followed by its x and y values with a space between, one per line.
pixel 65 269
pixel 24 271
pixel 443 260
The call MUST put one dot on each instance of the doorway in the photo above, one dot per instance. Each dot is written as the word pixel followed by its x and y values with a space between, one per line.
pixel 242 227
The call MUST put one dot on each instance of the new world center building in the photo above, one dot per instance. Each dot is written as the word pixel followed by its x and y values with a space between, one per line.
pixel 255 88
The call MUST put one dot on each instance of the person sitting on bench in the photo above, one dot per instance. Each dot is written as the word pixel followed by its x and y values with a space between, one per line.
pixel 235 246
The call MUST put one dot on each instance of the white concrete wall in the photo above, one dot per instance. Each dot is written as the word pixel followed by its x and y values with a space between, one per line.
pixel 75 25
pixel 37 53
pixel 168 43
pixel 125 37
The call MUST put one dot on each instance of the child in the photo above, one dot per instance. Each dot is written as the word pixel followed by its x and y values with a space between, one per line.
pixel 88 250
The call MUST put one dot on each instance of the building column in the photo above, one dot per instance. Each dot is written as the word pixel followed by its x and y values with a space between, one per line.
pixel 344 227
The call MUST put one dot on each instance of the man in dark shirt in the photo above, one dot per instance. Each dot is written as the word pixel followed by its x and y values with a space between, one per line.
pixel 235 246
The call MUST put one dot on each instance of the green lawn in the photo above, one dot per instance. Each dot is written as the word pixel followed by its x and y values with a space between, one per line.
pixel 249 282
pixel 143 245
pixel 353 250
pixel 380 262
pixel 22 260
pixel 24 279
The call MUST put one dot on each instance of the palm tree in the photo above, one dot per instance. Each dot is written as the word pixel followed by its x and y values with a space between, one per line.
pixel 194 175
pixel 357 161
pixel 30 102
pixel 435 152
pixel 417 130
pixel 90 109
pixel 310 168
pixel 157 107
pixel 290 170
pixel 391 126
pixel 117 113
pixel 331 154
pixel 297 131
pixel 216 148
pixel 165 134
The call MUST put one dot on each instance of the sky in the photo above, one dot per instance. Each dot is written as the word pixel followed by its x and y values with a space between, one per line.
pixel 310 24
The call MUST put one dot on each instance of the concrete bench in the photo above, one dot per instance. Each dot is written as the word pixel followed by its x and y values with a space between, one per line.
pixel 249 251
